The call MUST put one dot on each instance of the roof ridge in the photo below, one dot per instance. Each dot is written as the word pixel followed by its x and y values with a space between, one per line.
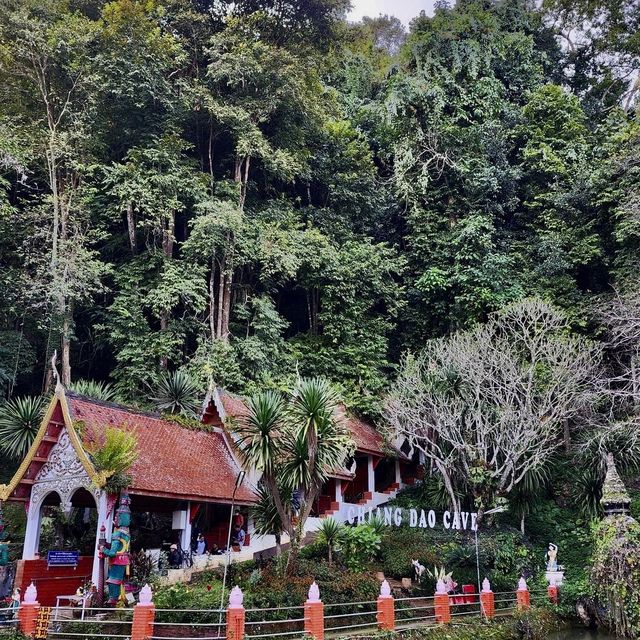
pixel 122 407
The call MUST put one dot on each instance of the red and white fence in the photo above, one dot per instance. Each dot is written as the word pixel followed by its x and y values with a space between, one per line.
pixel 313 618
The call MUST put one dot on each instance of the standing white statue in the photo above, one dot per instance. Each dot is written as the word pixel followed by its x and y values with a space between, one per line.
pixel 552 557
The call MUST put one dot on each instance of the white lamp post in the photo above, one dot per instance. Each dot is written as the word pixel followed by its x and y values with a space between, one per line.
pixel 486 513
pixel 239 480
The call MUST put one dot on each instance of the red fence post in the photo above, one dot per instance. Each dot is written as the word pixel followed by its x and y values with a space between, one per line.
pixel 314 614
pixel 28 611
pixel 235 615
pixel 442 605
pixel 144 614
pixel 552 592
pixel 386 615
pixel 487 600
pixel 523 597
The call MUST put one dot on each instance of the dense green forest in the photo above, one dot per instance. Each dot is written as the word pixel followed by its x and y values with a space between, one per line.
pixel 254 190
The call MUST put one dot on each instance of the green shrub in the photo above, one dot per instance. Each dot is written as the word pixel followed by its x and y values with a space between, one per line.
pixel 358 546
pixel 400 546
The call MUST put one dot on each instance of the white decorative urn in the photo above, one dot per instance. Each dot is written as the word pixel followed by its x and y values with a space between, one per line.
pixel 236 597
pixel 314 593
pixel 30 594
pixel 145 595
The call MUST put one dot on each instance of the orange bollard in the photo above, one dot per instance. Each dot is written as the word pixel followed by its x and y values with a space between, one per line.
pixel 314 614
pixel 386 615
pixel 487 601
pixel 28 611
pixel 442 604
pixel 144 614
pixel 523 597
pixel 235 615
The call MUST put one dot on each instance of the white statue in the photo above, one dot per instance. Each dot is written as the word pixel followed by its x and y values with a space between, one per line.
pixel 552 557
pixel 418 570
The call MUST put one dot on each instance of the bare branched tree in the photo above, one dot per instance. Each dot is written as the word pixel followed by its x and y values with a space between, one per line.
pixel 619 428
pixel 489 405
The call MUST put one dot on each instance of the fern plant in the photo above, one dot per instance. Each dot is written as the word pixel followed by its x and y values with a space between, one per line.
pixel 20 420
pixel 113 457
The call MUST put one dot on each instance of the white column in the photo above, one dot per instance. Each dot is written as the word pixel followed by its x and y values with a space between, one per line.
pixel 371 475
pixel 185 539
pixel 32 533
pixel 398 474
pixel 338 490
pixel 102 519
pixel 251 529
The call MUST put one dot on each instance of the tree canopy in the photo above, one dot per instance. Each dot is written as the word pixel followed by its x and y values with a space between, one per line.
pixel 254 191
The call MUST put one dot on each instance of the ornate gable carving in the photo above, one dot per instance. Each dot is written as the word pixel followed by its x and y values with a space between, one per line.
pixel 63 473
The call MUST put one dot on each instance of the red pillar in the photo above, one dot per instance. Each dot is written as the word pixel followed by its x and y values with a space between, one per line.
pixel 28 611
pixel 442 605
pixel 314 614
pixel 487 600
pixel 235 615
pixel 552 592
pixel 386 615
pixel 144 614
pixel 523 598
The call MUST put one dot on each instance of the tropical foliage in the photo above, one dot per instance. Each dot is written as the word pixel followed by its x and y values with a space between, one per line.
pixel 113 454
pixel 20 420
pixel 294 443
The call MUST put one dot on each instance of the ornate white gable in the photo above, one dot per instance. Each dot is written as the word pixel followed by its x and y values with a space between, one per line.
pixel 63 473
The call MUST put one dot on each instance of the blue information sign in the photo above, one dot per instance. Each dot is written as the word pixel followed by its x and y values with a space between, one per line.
pixel 63 558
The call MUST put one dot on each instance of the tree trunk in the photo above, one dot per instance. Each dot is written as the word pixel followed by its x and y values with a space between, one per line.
pixel 164 324
pixel 168 235
pixel 131 227
pixel 522 523
pixel 221 281
pixel 212 300
pixel 67 321
pixel 226 308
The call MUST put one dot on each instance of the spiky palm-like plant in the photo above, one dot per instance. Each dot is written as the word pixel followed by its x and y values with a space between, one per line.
pixel 19 422
pixel 266 519
pixel 528 492
pixel 95 389
pixel 294 445
pixel 176 393
pixel 331 534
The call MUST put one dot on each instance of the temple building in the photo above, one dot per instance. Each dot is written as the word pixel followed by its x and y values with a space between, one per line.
pixel 185 481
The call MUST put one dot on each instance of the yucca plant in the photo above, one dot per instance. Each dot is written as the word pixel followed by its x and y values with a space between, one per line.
pixel 266 519
pixel 95 389
pixel 176 393
pixel 586 491
pixel 331 534
pixel 294 445
pixel 20 420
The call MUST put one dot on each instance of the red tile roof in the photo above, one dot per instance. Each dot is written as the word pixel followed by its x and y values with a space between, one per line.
pixel 233 405
pixel 173 461
pixel 365 436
